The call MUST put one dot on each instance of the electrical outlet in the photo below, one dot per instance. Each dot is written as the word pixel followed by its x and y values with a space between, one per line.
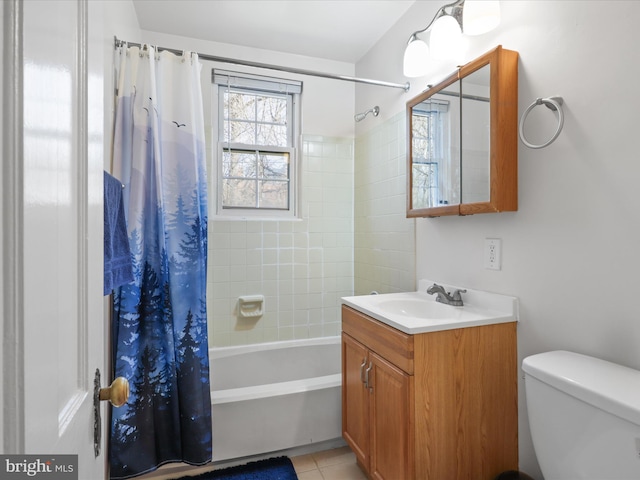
pixel 493 253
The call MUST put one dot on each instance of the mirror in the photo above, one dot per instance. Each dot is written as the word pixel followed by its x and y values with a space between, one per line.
pixel 476 132
pixel 462 149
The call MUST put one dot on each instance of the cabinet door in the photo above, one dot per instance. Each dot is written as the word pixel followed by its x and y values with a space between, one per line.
pixel 355 409
pixel 391 421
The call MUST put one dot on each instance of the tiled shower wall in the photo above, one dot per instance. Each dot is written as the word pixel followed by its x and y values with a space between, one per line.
pixel 301 267
pixel 384 258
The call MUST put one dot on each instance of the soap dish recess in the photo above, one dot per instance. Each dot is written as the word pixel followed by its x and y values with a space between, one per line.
pixel 250 306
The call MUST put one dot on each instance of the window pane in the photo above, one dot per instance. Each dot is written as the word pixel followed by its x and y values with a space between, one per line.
pixel 275 135
pixel 425 185
pixel 238 164
pixel 239 193
pixel 420 125
pixel 240 132
pixel 240 106
pixel 274 166
pixel 426 128
pixel 274 194
pixel 272 110
pixel 421 152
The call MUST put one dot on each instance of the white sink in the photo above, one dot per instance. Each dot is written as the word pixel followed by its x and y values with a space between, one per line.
pixel 418 312
pixel 416 304
pixel 415 308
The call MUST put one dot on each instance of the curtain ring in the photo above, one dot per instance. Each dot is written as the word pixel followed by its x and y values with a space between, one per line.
pixel 552 103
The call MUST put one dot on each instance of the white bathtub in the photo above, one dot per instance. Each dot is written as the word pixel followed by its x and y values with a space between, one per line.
pixel 275 396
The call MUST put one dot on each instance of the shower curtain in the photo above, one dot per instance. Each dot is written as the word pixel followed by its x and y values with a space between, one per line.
pixel 159 320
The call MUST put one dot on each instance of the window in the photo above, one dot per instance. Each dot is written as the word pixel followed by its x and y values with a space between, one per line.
pixel 258 124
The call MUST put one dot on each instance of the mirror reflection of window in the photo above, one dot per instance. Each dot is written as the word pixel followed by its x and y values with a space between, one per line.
pixel 428 147
pixel 436 151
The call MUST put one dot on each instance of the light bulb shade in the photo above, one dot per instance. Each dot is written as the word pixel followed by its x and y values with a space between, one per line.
pixel 445 38
pixel 480 16
pixel 415 59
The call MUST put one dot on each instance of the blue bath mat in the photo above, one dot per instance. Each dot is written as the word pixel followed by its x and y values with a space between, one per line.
pixel 279 468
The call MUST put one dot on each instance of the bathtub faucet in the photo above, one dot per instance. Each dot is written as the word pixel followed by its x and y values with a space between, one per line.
pixel 446 298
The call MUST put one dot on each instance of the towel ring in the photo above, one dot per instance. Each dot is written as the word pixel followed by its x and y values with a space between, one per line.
pixel 553 103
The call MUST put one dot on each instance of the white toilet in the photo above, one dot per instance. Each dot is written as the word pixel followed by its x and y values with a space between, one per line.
pixel 584 415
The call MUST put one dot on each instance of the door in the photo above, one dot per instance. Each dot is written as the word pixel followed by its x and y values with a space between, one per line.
pixel 391 394
pixel 355 402
pixel 52 216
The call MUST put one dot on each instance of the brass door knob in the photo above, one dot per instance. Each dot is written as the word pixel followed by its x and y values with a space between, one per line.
pixel 117 393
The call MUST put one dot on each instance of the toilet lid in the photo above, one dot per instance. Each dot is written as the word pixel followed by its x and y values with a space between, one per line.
pixel 608 386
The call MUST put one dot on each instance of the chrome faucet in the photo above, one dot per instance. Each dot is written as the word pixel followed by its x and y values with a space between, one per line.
pixel 446 298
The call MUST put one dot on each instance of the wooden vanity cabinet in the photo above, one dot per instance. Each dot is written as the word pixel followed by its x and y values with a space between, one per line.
pixel 431 406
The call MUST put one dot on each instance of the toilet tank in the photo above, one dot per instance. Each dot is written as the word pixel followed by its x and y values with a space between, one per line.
pixel 584 415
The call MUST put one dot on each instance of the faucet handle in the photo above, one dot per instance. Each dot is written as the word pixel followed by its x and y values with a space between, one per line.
pixel 456 294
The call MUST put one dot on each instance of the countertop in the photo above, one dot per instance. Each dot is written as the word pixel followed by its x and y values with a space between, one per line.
pixel 418 312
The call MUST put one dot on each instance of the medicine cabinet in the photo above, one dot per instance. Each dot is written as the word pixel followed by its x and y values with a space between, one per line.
pixel 463 140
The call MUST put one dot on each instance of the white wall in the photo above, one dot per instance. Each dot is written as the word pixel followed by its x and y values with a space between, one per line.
pixel 570 253
pixel 327 104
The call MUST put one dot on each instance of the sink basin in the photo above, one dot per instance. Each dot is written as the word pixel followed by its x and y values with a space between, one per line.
pixel 418 312
pixel 418 308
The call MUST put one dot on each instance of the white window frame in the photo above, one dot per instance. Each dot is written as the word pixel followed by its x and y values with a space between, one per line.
pixel 223 80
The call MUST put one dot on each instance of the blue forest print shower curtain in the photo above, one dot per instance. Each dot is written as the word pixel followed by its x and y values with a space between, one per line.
pixel 159 320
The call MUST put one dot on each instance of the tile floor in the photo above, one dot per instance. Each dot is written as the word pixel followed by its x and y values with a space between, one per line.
pixel 335 464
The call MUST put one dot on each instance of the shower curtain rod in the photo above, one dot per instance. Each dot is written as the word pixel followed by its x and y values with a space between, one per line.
pixel 300 71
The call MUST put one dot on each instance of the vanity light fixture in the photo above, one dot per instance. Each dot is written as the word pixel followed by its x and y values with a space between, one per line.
pixel 471 17
pixel 445 38
pixel 479 16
